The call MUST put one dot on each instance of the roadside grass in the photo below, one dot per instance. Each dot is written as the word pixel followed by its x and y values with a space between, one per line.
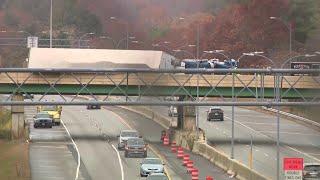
pixel 5 124
pixel 14 155
pixel 14 160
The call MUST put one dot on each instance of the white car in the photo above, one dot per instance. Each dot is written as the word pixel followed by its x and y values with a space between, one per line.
pixel 125 135
pixel 173 111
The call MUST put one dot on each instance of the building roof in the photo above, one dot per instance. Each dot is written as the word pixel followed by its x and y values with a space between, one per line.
pixel 93 58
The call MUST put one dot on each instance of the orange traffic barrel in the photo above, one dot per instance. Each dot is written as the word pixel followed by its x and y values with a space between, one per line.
pixel 186 159
pixel 180 153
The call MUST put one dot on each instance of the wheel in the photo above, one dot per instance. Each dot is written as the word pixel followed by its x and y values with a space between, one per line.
pixel 35 126
pixel 126 154
pixel 145 154
pixel 57 123
pixel 50 126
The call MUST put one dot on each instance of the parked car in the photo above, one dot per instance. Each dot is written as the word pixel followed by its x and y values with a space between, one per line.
pixel 93 106
pixel 125 135
pixel 173 111
pixel 150 166
pixel 311 171
pixel 135 146
pixel 215 113
pixel 42 119
pixel 157 176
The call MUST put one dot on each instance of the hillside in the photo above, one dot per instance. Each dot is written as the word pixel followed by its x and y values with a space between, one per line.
pixel 236 26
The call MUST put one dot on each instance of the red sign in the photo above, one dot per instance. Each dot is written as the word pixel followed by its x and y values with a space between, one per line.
pixel 293 164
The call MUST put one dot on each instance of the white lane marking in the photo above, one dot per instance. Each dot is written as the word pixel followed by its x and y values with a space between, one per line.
pixel 120 162
pixel 75 145
pixel 266 154
pixel 286 146
pixel 286 132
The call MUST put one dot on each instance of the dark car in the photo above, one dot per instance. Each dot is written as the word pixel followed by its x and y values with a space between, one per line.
pixel 93 106
pixel 311 171
pixel 214 114
pixel 135 147
pixel 42 119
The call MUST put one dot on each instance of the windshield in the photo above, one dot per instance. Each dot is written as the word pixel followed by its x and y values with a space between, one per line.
pixel 43 115
pixel 49 108
pixel 135 142
pixel 129 134
pixel 312 168
pixel 152 161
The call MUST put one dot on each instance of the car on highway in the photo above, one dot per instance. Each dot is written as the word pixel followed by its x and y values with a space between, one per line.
pixel 28 96
pixel 151 166
pixel 173 111
pixel 215 113
pixel 125 135
pixel 93 106
pixel 157 176
pixel 311 171
pixel 135 147
pixel 42 119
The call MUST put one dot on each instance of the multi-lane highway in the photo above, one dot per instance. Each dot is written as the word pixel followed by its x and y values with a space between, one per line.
pixel 297 139
pixel 95 134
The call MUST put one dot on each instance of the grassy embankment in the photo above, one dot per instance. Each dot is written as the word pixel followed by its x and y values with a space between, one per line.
pixel 14 155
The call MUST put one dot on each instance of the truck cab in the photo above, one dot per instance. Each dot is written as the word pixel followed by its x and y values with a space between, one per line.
pixel 54 111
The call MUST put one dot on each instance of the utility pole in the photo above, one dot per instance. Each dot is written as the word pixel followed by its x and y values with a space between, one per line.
pixel 50 23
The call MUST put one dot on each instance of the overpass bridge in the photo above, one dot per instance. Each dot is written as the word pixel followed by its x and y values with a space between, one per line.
pixel 264 87
pixel 238 83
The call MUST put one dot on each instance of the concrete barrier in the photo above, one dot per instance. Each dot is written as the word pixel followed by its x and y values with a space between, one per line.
pixel 221 160
pixel 163 121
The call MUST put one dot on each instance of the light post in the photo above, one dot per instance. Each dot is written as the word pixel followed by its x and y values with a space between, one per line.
pixel 50 23
pixel 127 41
pixel 161 44
pixel 109 38
pixel 304 55
pixel 289 27
pixel 127 31
pixel 79 41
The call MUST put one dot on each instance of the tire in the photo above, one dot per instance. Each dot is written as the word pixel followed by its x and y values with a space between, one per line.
pixel 145 154
pixel 58 123
pixel 50 126
pixel 35 126
pixel 126 154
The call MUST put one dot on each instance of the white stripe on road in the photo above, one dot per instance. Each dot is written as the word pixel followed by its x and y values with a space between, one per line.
pixel 120 162
pixel 293 133
pixel 285 146
pixel 75 145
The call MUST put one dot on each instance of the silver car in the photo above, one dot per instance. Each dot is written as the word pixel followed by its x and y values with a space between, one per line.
pixel 311 171
pixel 157 176
pixel 151 165
pixel 125 135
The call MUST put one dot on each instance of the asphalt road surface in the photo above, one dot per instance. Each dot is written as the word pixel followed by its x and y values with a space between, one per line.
pixel 52 155
pixel 297 140
pixel 95 132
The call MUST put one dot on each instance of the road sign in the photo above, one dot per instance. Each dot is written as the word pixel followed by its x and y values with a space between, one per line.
pixel 32 42
pixel 293 168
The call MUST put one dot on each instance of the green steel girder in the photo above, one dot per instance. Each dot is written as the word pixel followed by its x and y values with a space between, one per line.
pixel 155 91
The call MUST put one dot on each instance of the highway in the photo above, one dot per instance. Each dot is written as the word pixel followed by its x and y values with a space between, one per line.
pixel 297 139
pixel 95 133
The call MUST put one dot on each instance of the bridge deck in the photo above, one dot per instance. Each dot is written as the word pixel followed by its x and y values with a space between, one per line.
pixel 158 84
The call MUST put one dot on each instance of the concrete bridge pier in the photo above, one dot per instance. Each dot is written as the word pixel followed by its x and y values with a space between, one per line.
pixel 186 117
pixel 17 118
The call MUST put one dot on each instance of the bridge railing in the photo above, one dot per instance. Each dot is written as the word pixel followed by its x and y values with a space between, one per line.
pixel 137 86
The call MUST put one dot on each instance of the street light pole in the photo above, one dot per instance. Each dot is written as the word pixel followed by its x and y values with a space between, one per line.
pixel 79 41
pixel 289 27
pixel 50 23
